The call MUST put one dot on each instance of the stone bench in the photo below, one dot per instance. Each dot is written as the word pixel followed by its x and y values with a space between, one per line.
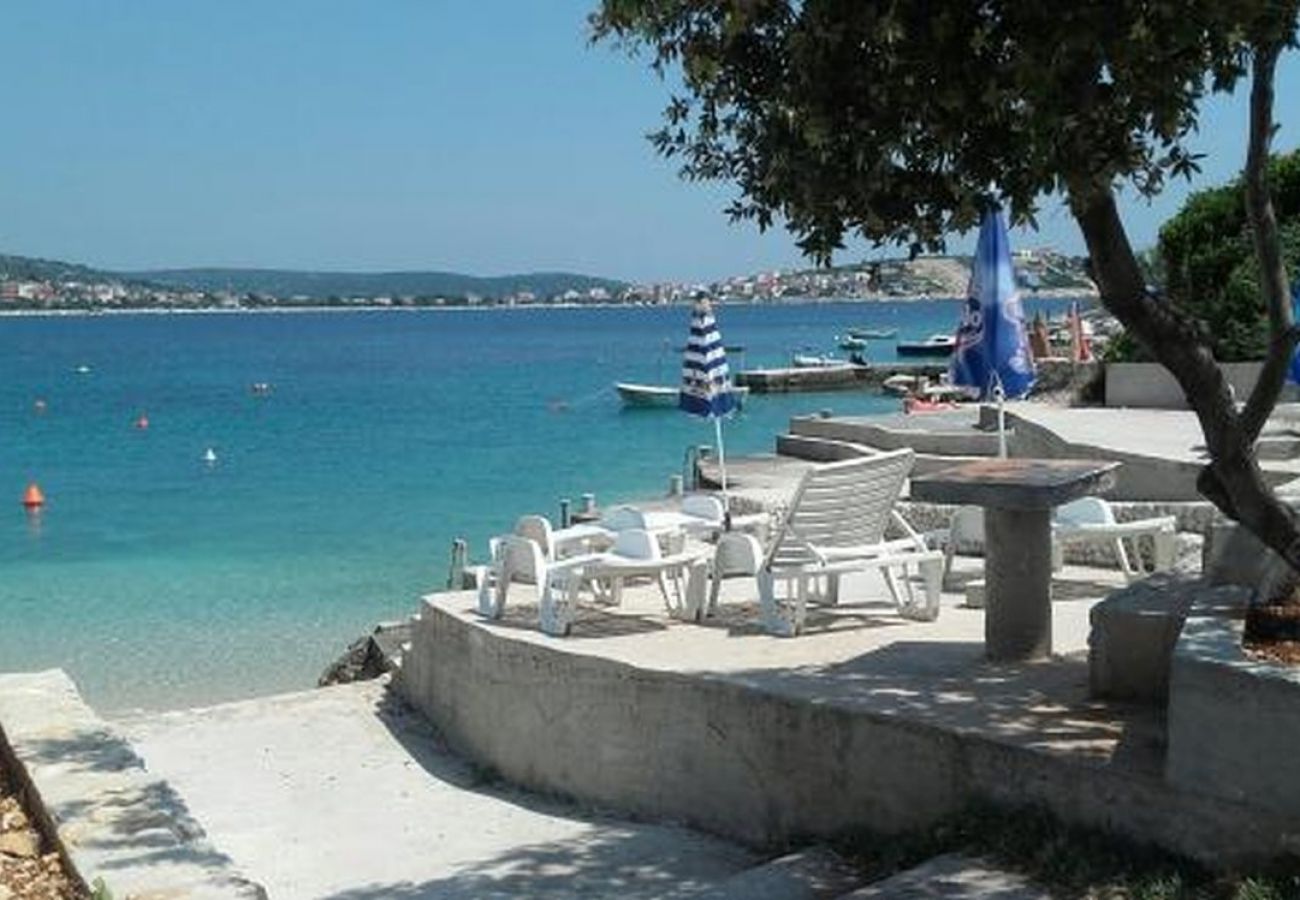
pixel 1135 630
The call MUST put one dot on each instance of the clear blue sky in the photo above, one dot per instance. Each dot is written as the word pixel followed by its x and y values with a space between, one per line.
pixel 432 134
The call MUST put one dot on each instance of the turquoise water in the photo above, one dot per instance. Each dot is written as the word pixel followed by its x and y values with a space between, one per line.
pixel 158 580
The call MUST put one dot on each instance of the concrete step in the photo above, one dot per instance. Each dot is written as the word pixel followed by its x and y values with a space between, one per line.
pixel 942 434
pixel 952 877
pixel 814 873
pixel 117 821
pixel 819 449
pixel 822 450
pixel 1277 447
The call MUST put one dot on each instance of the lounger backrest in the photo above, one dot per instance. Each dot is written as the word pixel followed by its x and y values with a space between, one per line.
pixel 840 505
pixel 1085 511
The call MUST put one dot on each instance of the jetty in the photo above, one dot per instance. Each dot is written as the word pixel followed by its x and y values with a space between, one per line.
pixel 846 377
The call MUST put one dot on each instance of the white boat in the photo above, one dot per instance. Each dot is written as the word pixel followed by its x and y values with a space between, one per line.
pixel 934 345
pixel 807 361
pixel 644 396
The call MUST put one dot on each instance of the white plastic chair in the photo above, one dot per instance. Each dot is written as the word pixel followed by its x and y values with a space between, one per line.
pixel 517 558
pixel 636 553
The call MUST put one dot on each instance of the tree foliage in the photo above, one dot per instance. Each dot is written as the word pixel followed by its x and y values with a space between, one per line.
pixel 893 120
pixel 1211 271
pixel 897 121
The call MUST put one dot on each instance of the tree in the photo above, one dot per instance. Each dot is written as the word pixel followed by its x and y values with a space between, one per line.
pixel 898 121
pixel 1211 270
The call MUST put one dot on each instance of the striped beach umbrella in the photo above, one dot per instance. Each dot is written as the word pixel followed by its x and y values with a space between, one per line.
pixel 706 381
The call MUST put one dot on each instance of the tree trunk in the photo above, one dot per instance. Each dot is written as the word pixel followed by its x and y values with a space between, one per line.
pixel 1232 480
pixel 1268 246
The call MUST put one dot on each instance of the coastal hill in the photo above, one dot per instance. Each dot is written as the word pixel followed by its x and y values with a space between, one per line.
pixel 314 285
pixel 30 283
pixel 320 285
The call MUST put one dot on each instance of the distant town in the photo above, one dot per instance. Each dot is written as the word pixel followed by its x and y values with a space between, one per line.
pixel 28 284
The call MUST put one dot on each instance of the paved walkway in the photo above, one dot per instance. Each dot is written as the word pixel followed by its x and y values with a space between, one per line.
pixel 342 793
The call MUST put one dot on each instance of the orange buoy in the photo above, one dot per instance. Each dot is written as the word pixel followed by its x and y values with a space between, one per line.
pixel 143 422
pixel 32 497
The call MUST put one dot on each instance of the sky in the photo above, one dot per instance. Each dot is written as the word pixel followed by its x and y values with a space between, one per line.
pixel 461 135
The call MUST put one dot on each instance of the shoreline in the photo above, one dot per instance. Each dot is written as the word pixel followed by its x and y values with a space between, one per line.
pixel 460 308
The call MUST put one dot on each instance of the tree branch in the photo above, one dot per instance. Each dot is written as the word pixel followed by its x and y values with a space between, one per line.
pixel 1233 480
pixel 1264 234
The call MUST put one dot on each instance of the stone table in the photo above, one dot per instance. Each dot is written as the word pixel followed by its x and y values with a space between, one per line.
pixel 1018 496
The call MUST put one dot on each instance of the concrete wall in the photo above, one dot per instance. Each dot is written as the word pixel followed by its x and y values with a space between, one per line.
pixel 1234 721
pixel 753 765
pixel 1139 478
pixel 1149 385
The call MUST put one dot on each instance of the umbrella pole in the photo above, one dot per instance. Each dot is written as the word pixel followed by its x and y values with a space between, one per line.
pixel 722 471
pixel 1002 416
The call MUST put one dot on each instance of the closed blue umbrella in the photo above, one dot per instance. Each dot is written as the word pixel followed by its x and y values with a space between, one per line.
pixel 706 381
pixel 992 352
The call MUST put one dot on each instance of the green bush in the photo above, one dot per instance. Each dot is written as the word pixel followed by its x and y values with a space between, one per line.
pixel 1209 263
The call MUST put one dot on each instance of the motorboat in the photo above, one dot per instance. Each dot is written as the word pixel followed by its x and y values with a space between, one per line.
pixel 873 334
pixel 934 345
pixel 849 342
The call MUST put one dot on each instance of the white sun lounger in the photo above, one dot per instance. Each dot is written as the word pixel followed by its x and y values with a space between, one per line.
pixel 835 525
pixel 1090 520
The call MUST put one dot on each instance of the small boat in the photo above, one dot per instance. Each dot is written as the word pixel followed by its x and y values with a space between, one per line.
pixel 934 345
pixel 807 361
pixel 646 395
pixel 657 396
pixel 873 334
pixel 849 342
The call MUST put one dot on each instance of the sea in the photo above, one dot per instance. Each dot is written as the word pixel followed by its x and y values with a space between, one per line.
pixel 159 577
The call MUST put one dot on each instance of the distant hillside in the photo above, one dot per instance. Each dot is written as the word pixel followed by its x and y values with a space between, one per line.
pixel 29 268
pixel 291 283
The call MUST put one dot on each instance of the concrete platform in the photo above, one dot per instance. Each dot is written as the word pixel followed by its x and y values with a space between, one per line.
pixel 343 792
pixel 116 821
pixel 1162 450
pixel 866 720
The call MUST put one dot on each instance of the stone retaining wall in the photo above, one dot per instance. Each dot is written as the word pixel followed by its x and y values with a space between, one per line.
pixel 762 767
pixel 1234 720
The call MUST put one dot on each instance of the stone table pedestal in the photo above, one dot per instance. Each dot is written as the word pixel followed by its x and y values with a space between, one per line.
pixel 1017 496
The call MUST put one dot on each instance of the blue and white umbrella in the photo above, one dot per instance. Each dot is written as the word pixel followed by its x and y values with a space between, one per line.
pixel 992 353
pixel 706 381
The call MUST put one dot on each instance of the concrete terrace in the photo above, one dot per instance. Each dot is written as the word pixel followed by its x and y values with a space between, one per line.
pixel 865 720
pixel 864 657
